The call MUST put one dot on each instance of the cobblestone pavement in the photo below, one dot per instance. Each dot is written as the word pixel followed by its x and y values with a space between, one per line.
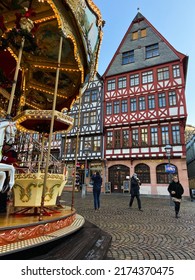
pixel 154 234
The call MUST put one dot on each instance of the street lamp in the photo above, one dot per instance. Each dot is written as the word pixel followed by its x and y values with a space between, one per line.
pixel 86 152
pixel 168 150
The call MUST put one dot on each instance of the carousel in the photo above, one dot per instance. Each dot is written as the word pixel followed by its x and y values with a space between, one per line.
pixel 48 54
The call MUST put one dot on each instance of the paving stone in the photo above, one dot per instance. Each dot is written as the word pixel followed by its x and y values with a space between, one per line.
pixel 148 235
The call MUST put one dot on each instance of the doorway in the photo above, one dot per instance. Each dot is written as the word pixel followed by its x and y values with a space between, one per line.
pixel 116 175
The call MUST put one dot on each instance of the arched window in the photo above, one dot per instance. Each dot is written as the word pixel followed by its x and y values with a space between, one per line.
pixel 143 172
pixel 162 176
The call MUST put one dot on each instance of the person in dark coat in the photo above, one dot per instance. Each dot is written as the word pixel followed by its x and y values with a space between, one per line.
pixel 97 183
pixel 176 191
pixel 134 191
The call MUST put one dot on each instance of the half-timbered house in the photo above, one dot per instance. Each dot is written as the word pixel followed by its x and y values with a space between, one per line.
pixel 145 110
pixel 86 134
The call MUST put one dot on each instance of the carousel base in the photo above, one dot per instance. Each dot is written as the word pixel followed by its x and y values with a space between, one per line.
pixel 20 234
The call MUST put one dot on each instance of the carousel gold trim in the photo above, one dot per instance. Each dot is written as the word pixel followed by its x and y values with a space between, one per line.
pixel 43 115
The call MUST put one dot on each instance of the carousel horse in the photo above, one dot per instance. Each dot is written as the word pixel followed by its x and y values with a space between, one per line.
pixel 7 136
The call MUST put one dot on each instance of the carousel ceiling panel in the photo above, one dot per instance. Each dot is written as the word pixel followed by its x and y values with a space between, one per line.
pixel 42 23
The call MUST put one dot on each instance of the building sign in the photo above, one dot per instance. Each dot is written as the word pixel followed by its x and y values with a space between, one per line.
pixel 170 168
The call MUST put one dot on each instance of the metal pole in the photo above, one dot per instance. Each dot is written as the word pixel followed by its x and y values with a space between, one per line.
pixel 41 156
pixel 51 128
pixel 15 77
pixel 76 150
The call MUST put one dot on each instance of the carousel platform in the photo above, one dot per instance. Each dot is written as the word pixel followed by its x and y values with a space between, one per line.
pixel 63 235
pixel 25 233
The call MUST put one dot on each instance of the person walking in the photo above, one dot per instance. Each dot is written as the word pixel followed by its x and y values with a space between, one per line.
pixel 134 191
pixel 97 183
pixel 176 191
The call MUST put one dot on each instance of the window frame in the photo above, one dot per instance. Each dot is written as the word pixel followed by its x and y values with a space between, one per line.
pixel 134 80
pixel 111 84
pixel 152 51
pixel 122 82
pixel 147 77
pixel 163 74
pixel 128 57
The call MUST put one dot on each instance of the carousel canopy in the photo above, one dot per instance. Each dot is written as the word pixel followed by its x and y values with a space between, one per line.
pixel 41 23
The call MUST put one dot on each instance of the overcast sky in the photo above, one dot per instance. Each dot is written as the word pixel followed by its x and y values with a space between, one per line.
pixel 174 19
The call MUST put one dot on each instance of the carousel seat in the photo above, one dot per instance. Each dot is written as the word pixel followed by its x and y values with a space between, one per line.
pixel 28 189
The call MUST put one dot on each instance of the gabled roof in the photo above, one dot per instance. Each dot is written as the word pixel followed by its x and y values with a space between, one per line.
pixel 167 51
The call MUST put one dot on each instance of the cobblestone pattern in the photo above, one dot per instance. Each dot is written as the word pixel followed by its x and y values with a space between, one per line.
pixel 154 234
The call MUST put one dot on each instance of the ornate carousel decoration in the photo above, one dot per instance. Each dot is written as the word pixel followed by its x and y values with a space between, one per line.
pixel 55 45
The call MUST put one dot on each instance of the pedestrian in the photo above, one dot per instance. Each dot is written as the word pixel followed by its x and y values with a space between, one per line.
pixel 176 191
pixel 134 191
pixel 97 183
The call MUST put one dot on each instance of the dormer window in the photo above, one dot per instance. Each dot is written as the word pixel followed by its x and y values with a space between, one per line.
pixel 152 51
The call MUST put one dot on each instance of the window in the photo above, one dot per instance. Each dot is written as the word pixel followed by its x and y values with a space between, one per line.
pixel 108 108
pixel 128 57
pixel 176 71
pixel 122 82
pixel 134 80
pixel 135 35
pixel 125 138
pixel 144 137
pixel 94 94
pixel 73 145
pixel 124 108
pixel 161 100
pixel 87 96
pixel 96 143
pixel 109 139
pixel 154 136
pixel 147 77
pixel 68 146
pixel 58 136
pixel 35 136
pixel 135 137
pixel 151 101
pixel 75 120
pixel 87 145
pixel 143 172
pixel 85 118
pixel 116 107
pixel 111 85
pixel 143 33
pixel 165 135
pixel 172 98
pixel 142 103
pixel 176 134
pixel 163 74
pixel 161 175
pixel 133 104
pixel 93 117
pixel 152 50
pixel 117 137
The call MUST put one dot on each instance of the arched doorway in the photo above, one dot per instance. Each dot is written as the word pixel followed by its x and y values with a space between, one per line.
pixel 116 175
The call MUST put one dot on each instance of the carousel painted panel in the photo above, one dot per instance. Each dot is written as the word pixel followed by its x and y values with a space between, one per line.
pixel 28 189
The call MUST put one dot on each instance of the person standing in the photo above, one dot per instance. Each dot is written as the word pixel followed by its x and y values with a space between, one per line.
pixel 97 183
pixel 176 191
pixel 134 191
